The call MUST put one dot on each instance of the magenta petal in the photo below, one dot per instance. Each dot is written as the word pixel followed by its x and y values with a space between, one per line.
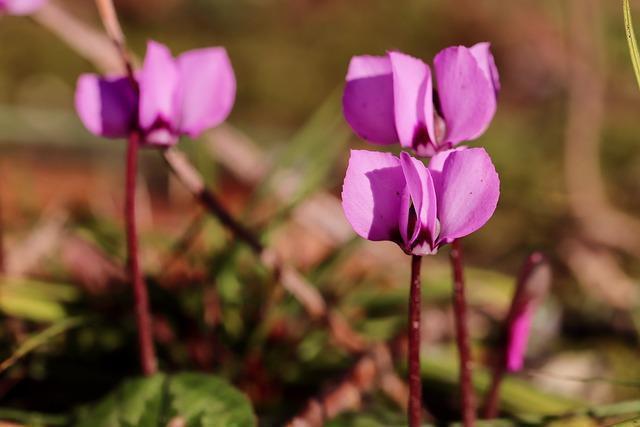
pixel 518 336
pixel 467 97
pixel 20 7
pixel 436 164
pixel 467 193
pixel 106 106
pixel 423 196
pixel 207 89
pixel 413 98
pixel 372 194
pixel 158 87
pixel 484 57
pixel 367 101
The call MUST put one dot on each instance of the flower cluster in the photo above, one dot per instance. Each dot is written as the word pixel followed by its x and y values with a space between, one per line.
pixel 389 100
pixel 171 96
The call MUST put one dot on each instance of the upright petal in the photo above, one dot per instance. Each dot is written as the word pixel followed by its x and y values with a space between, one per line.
pixel 423 196
pixel 482 53
pixel 468 193
pixel 413 99
pixel 367 101
pixel 372 194
pixel 436 164
pixel 467 97
pixel 106 106
pixel 158 87
pixel 207 89
pixel 20 7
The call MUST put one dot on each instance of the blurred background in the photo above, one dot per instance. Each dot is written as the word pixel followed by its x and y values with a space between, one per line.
pixel 564 142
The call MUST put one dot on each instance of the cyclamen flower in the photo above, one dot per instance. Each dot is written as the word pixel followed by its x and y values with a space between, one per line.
pixel 390 99
pixel 20 7
pixel 181 96
pixel 420 208
pixel 532 288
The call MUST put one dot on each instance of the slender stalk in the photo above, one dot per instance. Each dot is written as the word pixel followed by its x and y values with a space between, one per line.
pixel 493 396
pixel 143 316
pixel 415 383
pixel 462 337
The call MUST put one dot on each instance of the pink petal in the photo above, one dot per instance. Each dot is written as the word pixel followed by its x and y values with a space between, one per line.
pixel 423 196
pixel 20 7
pixel 367 101
pixel 436 164
pixel 372 194
pixel 158 87
pixel 106 106
pixel 484 57
pixel 518 337
pixel 207 89
pixel 467 193
pixel 413 99
pixel 467 97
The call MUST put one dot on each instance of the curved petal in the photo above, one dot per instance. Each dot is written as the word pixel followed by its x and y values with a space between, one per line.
pixel 158 80
pixel 207 89
pixel 482 53
pixel 106 106
pixel 423 196
pixel 413 99
pixel 436 164
pixel 367 101
pixel 372 194
pixel 20 7
pixel 468 193
pixel 467 97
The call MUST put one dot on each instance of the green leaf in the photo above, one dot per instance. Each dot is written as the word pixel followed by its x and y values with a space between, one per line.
pixel 197 400
pixel 631 40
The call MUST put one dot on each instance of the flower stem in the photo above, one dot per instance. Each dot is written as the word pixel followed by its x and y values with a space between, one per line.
pixel 143 316
pixel 493 396
pixel 415 384
pixel 462 337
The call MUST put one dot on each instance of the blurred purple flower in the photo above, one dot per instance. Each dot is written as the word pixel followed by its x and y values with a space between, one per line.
pixel 390 99
pixel 399 199
pixel 20 7
pixel 181 96
pixel 533 285
pixel 517 337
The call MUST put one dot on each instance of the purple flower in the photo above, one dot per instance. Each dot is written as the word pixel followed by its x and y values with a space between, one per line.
pixel 533 284
pixel 390 99
pixel 517 337
pixel 399 199
pixel 181 96
pixel 20 7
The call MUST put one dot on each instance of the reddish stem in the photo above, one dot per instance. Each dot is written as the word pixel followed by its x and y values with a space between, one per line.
pixel 143 316
pixel 493 396
pixel 415 383
pixel 462 337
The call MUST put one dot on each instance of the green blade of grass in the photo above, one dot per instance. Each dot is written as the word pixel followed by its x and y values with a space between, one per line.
pixel 40 339
pixel 631 40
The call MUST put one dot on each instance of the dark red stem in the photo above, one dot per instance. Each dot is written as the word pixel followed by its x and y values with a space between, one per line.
pixel 415 382
pixel 462 337
pixel 143 316
pixel 493 396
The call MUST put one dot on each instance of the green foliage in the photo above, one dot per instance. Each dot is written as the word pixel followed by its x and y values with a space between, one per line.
pixel 196 400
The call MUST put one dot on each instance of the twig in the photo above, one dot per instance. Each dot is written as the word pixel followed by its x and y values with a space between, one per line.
pixel 374 369
pixel 85 40
pixel 462 337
